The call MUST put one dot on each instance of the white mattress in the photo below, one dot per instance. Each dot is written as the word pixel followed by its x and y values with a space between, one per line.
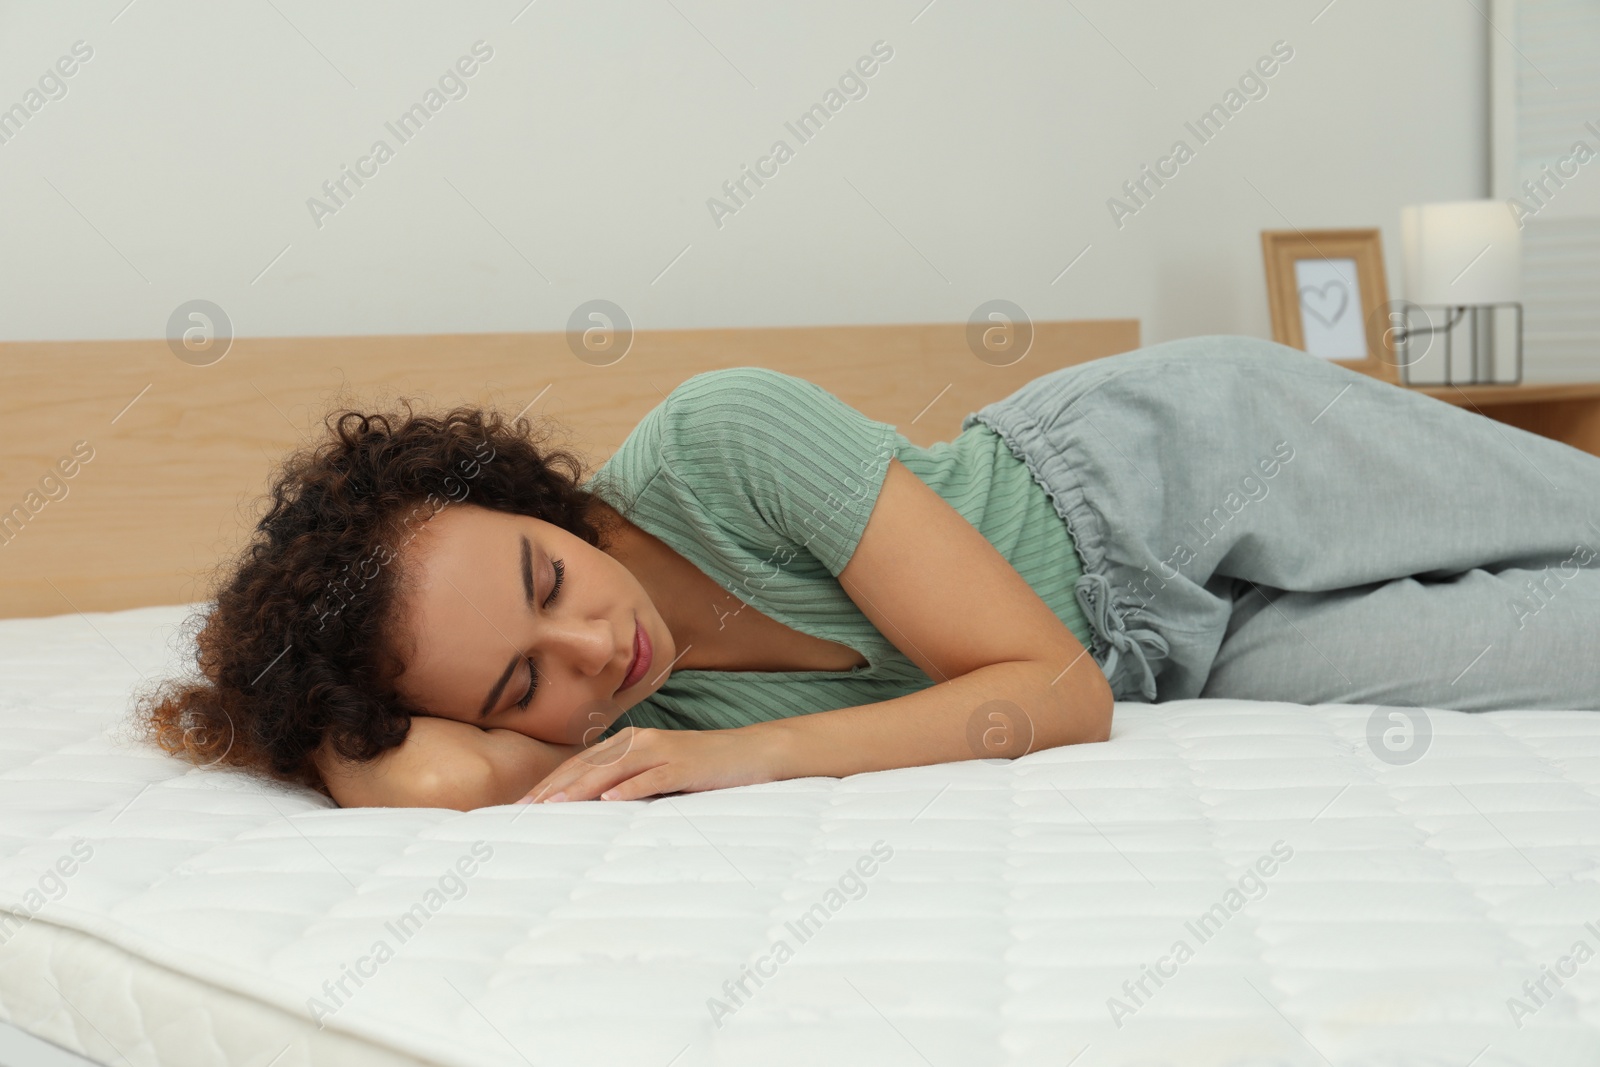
pixel 1015 899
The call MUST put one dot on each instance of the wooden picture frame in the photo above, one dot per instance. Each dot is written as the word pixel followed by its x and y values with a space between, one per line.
pixel 1316 304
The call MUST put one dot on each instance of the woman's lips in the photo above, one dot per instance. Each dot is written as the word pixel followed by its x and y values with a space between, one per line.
pixel 641 658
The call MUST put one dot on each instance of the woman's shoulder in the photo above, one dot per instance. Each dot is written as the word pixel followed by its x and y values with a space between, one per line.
pixel 734 406
pixel 735 389
pixel 723 419
pixel 720 410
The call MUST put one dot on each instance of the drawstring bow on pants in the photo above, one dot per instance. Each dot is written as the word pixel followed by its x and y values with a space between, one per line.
pixel 1130 649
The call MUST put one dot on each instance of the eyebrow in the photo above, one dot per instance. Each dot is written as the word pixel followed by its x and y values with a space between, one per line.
pixel 527 590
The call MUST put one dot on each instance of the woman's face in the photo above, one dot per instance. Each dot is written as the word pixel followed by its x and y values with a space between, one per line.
pixel 479 608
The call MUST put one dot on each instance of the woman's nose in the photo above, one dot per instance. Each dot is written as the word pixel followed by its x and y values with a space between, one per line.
pixel 590 645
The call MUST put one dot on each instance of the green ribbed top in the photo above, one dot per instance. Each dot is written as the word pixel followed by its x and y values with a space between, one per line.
pixel 765 482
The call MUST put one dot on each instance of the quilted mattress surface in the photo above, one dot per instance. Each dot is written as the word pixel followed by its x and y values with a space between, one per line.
pixel 1222 883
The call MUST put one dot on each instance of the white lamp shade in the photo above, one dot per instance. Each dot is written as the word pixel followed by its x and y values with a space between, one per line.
pixel 1461 253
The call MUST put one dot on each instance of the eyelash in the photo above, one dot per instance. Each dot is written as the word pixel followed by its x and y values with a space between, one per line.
pixel 533 675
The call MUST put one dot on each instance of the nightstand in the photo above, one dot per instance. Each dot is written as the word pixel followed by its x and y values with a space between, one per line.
pixel 1569 413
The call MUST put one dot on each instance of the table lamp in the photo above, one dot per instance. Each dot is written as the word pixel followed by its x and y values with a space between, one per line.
pixel 1463 258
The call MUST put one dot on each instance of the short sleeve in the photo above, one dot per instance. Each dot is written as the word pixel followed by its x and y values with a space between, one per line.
pixel 760 448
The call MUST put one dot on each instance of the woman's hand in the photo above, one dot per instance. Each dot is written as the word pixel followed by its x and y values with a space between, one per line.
pixel 636 763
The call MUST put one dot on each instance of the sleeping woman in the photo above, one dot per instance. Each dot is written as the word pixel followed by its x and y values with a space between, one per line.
pixel 762 583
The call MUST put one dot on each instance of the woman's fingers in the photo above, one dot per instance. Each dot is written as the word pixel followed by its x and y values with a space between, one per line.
pixel 591 784
pixel 658 779
pixel 567 771
pixel 557 783
pixel 585 775
pixel 629 766
pixel 551 784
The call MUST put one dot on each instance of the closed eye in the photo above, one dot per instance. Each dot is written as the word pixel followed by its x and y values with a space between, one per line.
pixel 533 674
pixel 561 573
pixel 533 683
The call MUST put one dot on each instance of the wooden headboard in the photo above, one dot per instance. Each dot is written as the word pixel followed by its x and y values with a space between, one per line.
pixel 167 460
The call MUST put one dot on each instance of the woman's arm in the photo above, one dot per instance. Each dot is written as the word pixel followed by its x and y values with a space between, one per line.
pixel 443 763
pixel 1002 710
pixel 1010 677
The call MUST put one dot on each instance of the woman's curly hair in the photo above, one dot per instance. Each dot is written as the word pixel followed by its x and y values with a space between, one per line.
pixel 299 645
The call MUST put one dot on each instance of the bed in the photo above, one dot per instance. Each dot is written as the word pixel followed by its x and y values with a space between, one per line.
pixel 980 912
pixel 1223 882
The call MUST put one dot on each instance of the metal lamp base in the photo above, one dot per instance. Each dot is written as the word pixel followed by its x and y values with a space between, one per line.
pixel 1480 342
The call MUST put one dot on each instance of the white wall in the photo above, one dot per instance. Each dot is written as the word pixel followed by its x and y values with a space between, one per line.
pixel 979 164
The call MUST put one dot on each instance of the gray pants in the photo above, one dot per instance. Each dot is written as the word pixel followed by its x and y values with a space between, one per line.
pixel 1258 523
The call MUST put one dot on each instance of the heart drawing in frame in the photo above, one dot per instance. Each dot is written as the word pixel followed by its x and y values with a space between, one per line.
pixel 1316 300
